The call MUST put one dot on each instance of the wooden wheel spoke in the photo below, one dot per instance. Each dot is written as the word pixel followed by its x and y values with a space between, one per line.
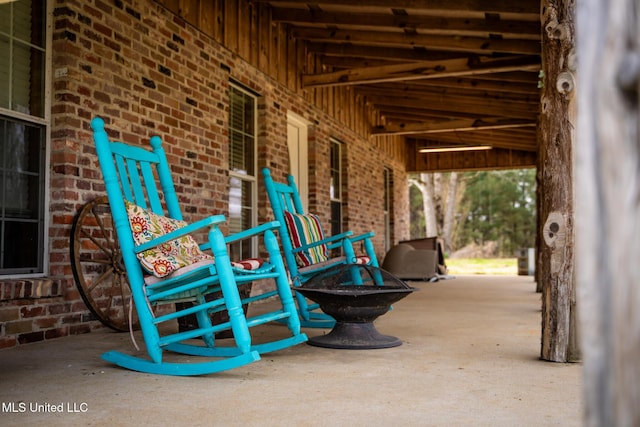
pixel 88 259
pixel 102 226
pixel 96 265
pixel 103 248
pixel 100 279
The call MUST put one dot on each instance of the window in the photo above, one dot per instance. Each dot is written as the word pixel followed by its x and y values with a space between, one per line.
pixel 335 188
pixel 388 203
pixel 23 130
pixel 242 168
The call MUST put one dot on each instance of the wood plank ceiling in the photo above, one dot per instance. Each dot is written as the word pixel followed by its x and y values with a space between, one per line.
pixel 439 72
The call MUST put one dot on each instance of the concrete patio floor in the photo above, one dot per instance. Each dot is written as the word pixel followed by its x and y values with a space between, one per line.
pixel 469 358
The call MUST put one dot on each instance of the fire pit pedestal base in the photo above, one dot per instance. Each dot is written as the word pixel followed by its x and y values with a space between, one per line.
pixel 358 336
pixel 355 295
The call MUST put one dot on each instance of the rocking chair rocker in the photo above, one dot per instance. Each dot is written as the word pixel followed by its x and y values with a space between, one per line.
pixel 307 251
pixel 165 265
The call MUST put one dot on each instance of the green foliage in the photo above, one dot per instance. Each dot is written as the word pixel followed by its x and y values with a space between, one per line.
pixel 498 206
pixel 416 214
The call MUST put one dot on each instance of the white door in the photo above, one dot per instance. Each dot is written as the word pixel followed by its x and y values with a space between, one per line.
pixel 298 161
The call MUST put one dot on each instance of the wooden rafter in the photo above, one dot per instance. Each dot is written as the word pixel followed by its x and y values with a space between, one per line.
pixel 527 9
pixel 449 72
pixel 460 125
pixel 478 45
pixel 424 24
pixel 415 71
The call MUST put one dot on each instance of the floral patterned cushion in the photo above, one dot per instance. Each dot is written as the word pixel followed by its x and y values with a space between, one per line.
pixel 303 230
pixel 170 256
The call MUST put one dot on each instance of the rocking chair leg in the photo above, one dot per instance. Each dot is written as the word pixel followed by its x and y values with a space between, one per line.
pixel 204 321
pixel 293 321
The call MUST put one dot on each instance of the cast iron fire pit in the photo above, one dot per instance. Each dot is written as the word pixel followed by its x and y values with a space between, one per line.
pixel 355 295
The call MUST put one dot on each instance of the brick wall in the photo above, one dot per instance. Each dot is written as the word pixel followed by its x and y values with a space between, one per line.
pixel 146 72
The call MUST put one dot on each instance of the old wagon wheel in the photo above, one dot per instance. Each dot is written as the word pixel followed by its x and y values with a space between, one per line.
pixel 96 261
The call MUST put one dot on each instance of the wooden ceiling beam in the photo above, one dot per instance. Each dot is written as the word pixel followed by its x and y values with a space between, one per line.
pixel 525 30
pixel 513 76
pixel 529 9
pixel 413 89
pixel 503 109
pixel 460 125
pixel 416 71
pixel 355 53
pixel 400 114
pixel 517 137
pixel 478 45
pixel 452 99
pixel 479 84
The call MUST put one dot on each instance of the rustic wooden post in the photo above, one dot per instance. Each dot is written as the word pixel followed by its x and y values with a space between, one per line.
pixel 608 209
pixel 557 125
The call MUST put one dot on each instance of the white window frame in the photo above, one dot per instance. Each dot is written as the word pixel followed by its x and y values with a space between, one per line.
pixel 45 122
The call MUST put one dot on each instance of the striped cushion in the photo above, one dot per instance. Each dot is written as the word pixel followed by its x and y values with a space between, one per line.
pixel 248 264
pixel 303 230
pixel 363 259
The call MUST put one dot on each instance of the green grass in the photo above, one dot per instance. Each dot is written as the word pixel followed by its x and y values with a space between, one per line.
pixel 502 266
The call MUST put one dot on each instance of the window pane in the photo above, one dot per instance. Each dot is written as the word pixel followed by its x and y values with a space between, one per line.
pixel 336 218
pixel 28 18
pixel 20 250
pixel 21 146
pixel 242 132
pixel 240 215
pixel 21 196
pixel 236 153
pixel 5 10
pixel 249 119
pixel 27 85
pixel 22 70
pixel 240 204
pixel 4 71
pixel 249 151
pixel 335 192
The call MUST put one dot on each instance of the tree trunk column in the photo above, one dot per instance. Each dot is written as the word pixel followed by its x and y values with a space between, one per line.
pixel 557 133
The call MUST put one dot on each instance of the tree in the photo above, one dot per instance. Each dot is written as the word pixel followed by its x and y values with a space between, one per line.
pixel 437 213
pixel 425 184
pixel 498 206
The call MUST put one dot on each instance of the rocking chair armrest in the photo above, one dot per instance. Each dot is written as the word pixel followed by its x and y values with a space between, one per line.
pixel 254 231
pixel 206 222
pixel 363 236
pixel 245 234
pixel 331 242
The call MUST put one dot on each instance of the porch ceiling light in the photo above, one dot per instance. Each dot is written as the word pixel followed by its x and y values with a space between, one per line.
pixel 449 148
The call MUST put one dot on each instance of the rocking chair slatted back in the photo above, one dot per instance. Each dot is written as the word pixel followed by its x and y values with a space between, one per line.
pixel 143 178
pixel 284 197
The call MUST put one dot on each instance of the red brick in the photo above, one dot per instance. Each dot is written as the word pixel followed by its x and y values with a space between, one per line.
pixel 31 337
pixel 32 311
pixel 6 342
pixel 56 333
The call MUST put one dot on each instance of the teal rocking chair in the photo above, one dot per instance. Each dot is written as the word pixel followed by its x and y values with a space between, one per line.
pixel 165 265
pixel 307 251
